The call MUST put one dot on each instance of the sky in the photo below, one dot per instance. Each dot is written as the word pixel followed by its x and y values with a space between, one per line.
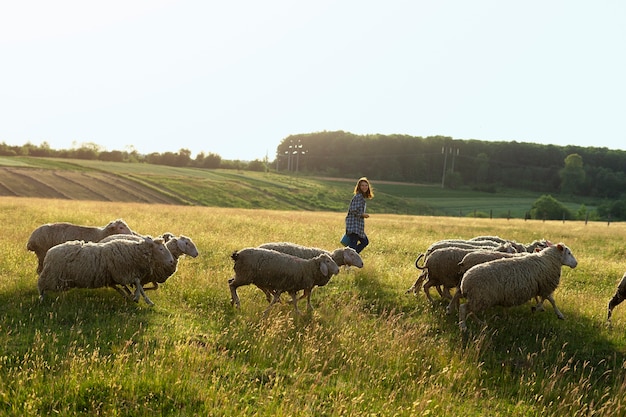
pixel 236 77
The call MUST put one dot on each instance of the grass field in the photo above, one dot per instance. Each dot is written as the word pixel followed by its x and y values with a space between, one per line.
pixel 368 348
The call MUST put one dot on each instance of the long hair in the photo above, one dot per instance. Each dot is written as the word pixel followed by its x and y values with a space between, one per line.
pixel 370 191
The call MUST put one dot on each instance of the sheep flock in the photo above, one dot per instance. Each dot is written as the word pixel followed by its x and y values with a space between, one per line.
pixel 473 274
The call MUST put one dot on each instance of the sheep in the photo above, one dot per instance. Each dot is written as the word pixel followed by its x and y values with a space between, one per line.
pixel 475 258
pixel 280 272
pixel 618 297
pixel 341 256
pixel 513 281
pixel 178 246
pixel 441 267
pixel 48 235
pixel 497 239
pixel 79 264
pixel 519 247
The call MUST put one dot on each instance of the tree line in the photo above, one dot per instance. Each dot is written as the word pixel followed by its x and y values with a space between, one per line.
pixel 566 171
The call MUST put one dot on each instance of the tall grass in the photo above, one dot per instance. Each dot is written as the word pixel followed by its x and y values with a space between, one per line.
pixel 367 348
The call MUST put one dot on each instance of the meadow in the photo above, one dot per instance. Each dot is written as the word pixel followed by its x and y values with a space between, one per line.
pixel 367 349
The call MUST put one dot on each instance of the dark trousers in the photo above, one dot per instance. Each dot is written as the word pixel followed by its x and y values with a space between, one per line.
pixel 358 243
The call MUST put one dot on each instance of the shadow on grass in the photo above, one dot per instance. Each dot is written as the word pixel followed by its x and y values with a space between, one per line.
pixel 556 359
pixel 91 319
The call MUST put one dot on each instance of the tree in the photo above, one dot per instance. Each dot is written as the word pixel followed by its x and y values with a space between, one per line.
pixel 547 207
pixel 572 175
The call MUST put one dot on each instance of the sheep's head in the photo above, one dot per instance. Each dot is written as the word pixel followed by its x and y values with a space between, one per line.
pixel 567 258
pixel 352 258
pixel 187 246
pixel 118 227
pixel 328 267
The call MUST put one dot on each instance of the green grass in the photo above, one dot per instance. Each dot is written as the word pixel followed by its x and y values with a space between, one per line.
pixel 367 349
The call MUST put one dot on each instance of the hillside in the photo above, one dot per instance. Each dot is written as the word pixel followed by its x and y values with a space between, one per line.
pixel 158 184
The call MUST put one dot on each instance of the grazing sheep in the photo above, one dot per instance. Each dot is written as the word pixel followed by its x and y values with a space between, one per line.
pixel 514 281
pixel 48 235
pixel 178 246
pixel 78 264
pixel 341 256
pixel 618 297
pixel 280 272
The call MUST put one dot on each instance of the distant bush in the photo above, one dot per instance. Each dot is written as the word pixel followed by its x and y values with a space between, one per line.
pixel 547 207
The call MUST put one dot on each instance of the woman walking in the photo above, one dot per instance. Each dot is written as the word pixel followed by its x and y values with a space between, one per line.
pixel 355 219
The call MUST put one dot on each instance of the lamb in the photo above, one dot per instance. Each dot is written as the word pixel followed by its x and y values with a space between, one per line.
pixel 513 281
pixel 618 297
pixel 79 264
pixel 178 246
pixel 48 235
pixel 280 272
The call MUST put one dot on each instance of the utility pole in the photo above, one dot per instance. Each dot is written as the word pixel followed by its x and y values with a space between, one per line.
pixel 445 150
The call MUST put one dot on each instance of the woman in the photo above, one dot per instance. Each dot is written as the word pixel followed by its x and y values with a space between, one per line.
pixel 355 219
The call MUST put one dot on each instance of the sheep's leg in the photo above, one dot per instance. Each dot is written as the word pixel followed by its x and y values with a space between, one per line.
pixel 538 306
pixel 140 292
pixel 123 290
pixel 463 317
pixel 234 298
pixel 269 295
pixel 426 288
pixel 614 302
pixel 275 300
pixel 445 293
pixel 307 294
pixel 418 283
pixel 556 310
pixel 440 291
pixel 454 302
pixel 294 300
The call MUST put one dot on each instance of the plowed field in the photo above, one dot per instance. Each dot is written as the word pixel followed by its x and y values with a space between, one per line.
pixel 76 185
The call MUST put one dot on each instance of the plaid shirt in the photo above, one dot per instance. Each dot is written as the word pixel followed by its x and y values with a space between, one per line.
pixel 354 222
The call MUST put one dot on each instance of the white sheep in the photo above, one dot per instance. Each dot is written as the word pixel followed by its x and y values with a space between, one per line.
pixel 280 272
pixel 514 281
pixel 342 256
pixel 618 297
pixel 48 235
pixel 475 258
pixel 178 246
pixel 78 264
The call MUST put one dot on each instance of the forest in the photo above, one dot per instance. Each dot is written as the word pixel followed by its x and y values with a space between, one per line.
pixel 566 171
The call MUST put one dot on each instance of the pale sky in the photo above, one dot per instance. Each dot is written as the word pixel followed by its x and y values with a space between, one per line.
pixel 236 77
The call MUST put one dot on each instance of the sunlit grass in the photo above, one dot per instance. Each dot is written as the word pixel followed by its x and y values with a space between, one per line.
pixel 368 348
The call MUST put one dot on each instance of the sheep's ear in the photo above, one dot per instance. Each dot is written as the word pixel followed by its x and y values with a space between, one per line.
pixel 560 246
pixel 324 268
